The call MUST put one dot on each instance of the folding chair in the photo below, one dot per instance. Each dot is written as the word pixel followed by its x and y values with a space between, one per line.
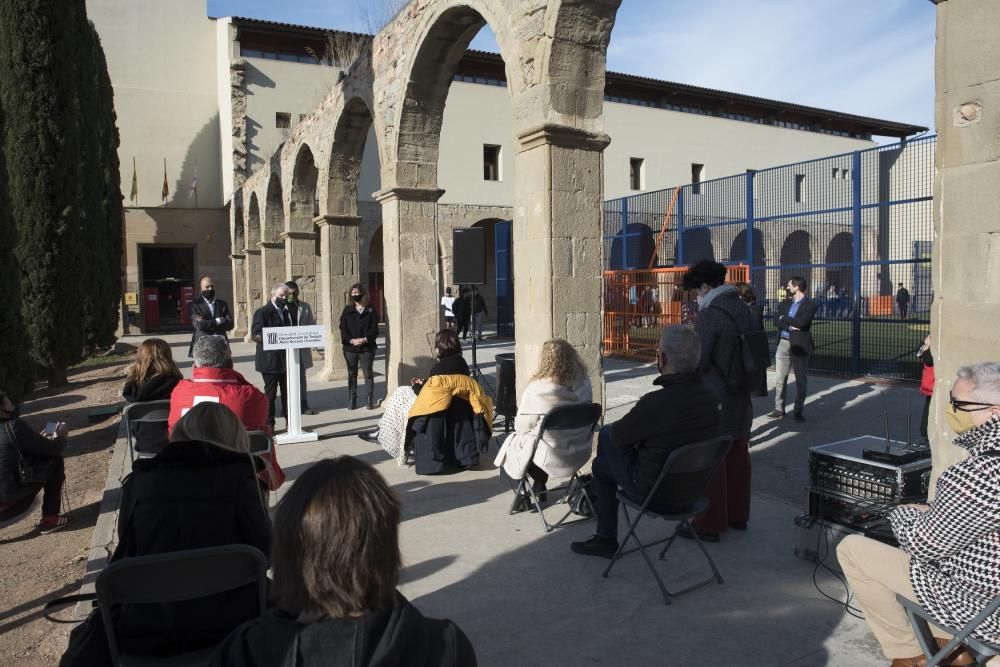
pixel 260 443
pixel 149 412
pixel 919 619
pixel 174 577
pixel 561 418
pixel 684 477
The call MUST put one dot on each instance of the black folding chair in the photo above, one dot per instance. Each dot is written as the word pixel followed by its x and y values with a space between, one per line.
pixel 148 420
pixel 174 577
pixel 684 477
pixel 260 443
pixel 919 620
pixel 561 418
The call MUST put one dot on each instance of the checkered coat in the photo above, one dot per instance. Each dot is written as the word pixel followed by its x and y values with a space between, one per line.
pixel 954 546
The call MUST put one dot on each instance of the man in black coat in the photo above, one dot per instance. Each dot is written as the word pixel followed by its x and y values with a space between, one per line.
pixel 271 363
pixel 793 320
pixel 209 316
pixel 631 452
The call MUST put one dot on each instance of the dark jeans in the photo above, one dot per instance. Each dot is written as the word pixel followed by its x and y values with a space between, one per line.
pixel 365 360
pixel 303 401
pixel 51 490
pixel 272 382
pixel 612 468
pixel 925 416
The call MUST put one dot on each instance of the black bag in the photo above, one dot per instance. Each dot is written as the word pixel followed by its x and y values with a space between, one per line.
pixel 88 642
pixel 751 356
pixel 578 495
pixel 29 472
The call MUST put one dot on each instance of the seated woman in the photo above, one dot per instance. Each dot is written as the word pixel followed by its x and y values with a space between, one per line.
pixel 561 379
pixel 949 550
pixel 152 377
pixel 336 565
pixel 30 462
pixel 201 491
pixel 391 432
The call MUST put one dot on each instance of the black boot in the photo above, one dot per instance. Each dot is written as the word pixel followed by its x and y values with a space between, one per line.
pixel 354 402
pixel 371 403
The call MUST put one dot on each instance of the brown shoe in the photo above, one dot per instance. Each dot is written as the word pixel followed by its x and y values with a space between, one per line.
pixel 919 661
pixel 959 657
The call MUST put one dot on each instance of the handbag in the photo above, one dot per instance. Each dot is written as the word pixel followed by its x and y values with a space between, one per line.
pixel 581 490
pixel 29 473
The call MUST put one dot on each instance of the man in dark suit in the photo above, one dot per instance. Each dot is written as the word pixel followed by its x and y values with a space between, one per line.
pixel 793 320
pixel 209 316
pixel 271 363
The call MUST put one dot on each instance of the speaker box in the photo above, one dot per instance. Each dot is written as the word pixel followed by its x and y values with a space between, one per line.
pixel 468 256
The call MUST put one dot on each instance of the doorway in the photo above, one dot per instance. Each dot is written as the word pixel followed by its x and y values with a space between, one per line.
pixel 168 283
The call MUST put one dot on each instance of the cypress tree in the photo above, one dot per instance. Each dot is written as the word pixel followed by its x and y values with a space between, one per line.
pixel 38 90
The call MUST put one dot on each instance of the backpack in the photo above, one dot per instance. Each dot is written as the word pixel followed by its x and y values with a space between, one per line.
pixel 751 356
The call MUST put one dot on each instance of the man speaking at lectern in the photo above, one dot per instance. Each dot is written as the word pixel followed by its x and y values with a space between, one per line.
pixel 271 363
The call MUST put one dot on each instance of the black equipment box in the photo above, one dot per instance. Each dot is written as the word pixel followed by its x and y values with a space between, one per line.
pixel 848 489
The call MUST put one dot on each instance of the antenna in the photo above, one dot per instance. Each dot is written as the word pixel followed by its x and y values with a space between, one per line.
pixel 907 430
pixel 885 420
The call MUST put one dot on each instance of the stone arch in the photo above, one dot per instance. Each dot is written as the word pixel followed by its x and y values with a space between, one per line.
pixel 738 254
pixel 796 257
pixel 839 260
pixel 253 266
pixel 349 138
pixel 300 228
pixel 697 245
pixel 272 246
pixel 302 194
pixel 252 220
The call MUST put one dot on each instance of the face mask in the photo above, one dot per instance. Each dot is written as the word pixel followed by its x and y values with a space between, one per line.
pixel 356 298
pixel 209 294
pixel 701 300
pixel 960 422
pixel 280 302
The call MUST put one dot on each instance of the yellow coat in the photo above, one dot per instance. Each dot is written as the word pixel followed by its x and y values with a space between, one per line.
pixel 438 390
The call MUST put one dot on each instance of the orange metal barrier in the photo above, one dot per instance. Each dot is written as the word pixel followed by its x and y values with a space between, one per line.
pixel 638 304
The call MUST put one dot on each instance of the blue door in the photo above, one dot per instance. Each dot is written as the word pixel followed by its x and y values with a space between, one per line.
pixel 504 244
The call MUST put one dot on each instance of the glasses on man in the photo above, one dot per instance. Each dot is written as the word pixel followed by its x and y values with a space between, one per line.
pixel 967 406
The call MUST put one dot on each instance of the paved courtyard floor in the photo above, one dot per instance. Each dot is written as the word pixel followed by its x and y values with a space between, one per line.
pixel 525 599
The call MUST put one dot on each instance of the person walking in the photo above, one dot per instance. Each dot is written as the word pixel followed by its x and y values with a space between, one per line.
pixel 209 316
pixel 358 333
pixel 271 363
pixel 903 301
pixel 795 344
pixel 447 304
pixel 302 316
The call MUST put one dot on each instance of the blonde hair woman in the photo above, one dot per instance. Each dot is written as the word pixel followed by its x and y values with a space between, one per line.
pixel 201 491
pixel 153 374
pixel 561 379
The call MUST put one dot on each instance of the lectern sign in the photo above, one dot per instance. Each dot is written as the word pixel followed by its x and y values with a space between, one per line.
pixel 280 338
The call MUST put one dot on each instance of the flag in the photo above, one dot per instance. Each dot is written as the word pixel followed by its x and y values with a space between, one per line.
pixel 193 190
pixel 135 184
pixel 166 188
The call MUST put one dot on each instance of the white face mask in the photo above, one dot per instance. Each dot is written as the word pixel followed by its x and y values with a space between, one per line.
pixel 701 300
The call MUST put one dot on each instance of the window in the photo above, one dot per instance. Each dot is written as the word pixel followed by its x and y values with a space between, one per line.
pixel 836 172
pixel 282 120
pixel 697 176
pixel 800 184
pixel 251 53
pixel 843 174
pixel 636 173
pixel 491 162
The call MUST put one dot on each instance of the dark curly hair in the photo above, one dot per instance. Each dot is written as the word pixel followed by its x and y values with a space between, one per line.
pixel 705 272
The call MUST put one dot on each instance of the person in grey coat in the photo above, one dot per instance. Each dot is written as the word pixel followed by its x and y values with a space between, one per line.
pixel 302 316
pixel 722 317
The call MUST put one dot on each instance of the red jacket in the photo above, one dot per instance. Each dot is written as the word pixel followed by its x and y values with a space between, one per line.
pixel 226 386
pixel 927 380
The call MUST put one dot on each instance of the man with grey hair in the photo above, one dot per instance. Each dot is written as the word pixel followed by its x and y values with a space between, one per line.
pixel 271 363
pixel 631 451
pixel 948 558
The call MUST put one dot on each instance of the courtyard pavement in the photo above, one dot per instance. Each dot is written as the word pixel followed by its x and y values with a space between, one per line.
pixel 524 598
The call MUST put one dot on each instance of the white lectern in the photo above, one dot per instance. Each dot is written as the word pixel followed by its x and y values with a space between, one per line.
pixel 293 339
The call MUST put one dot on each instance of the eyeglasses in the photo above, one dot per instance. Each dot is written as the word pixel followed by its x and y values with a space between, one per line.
pixel 967 406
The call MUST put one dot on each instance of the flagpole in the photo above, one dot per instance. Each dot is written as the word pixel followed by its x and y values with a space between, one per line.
pixel 196 184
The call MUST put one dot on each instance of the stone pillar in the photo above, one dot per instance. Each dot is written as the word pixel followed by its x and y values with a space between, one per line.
pixel 272 262
pixel 300 263
pixel 558 247
pixel 338 239
pixel 966 257
pixel 255 294
pixel 240 306
pixel 410 266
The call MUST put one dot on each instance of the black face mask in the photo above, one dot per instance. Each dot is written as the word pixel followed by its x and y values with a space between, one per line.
pixel 14 414
pixel 209 294
pixel 280 302
pixel 356 298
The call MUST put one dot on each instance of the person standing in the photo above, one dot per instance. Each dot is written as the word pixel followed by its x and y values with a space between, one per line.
pixel 748 297
pixel 793 321
pixel 903 301
pixel 302 316
pixel 479 314
pixel 447 303
pixel 358 333
pixel 209 316
pixel 463 312
pixel 926 384
pixel 271 363
pixel 722 318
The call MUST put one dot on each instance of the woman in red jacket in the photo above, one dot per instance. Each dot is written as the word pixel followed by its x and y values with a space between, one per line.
pixel 926 383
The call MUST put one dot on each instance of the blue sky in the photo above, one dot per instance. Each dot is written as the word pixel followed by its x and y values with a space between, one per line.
pixel 868 57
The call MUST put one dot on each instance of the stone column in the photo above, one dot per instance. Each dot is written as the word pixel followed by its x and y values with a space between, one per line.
pixel 239 313
pixel 558 246
pixel 272 261
pixel 300 263
pixel 966 257
pixel 410 266
pixel 254 286
pixel 338 239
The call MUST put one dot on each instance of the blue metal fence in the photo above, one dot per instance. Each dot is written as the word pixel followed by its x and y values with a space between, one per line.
pixel 856 226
